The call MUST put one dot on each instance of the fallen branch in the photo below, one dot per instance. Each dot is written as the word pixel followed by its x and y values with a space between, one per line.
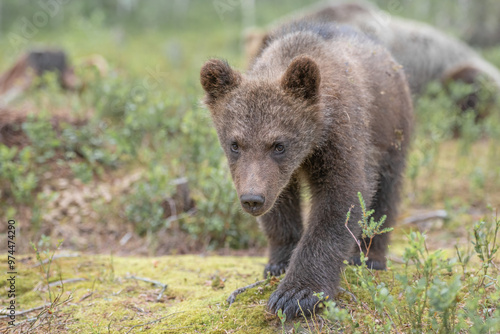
pixel 353 297
pixel 232 296
pixel 26 321
pixel 26 311
pixel 86 296
pixel 147 280
pixel 70 280
pixel 426 216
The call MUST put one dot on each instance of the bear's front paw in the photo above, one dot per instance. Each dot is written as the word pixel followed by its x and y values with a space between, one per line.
pixel 288 297
pixel 275 269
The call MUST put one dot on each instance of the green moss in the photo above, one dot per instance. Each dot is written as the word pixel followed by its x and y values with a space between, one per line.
pixel 108 299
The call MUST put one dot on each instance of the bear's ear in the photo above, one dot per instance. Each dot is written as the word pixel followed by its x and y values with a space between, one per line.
pixel 302 78
pixel 217 79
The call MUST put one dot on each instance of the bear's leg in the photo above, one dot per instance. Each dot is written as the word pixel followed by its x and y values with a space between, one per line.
pixel 385 202
pixel 317 261
pixel 283 227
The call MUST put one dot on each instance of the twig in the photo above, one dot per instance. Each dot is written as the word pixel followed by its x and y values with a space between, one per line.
pixel 369 246
pixel 353 297
pixel 27 311
pixel 147 280
pixel 70 280
pixel 232 296
pixel 152 322
pixel 347 227
pixel 304 315
pixel 54 258
pixel 86 296
pixel 46 313
pixel 426 216
pixel 26 320
pixel 173 218
pixel 125 238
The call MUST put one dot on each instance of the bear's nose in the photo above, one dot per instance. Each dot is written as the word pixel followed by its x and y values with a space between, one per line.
pixel 252 203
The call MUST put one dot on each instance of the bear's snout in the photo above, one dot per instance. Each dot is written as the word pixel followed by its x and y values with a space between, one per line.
pixel 252 203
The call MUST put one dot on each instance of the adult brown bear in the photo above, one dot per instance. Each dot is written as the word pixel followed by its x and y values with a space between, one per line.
pixel 426 53
pixel 324 106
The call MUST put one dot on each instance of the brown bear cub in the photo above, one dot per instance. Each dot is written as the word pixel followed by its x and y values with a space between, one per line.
pixel 327 107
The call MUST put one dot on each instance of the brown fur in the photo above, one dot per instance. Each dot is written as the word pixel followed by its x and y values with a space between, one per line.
pixel 319 106
pixel 483 95
pixel 466 74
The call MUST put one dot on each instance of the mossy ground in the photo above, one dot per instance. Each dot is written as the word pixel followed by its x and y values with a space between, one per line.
pixel 108 301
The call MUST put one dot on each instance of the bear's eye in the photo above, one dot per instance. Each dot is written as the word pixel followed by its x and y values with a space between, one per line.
pixel 235 148
pixel 279 148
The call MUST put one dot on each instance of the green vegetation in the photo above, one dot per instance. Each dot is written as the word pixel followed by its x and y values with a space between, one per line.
pixel 430 293
pixel 96 165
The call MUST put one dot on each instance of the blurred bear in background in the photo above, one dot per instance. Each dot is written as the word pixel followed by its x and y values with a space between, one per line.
pixel 426 53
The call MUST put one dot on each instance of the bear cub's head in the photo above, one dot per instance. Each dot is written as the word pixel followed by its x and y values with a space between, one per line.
pixel 267 124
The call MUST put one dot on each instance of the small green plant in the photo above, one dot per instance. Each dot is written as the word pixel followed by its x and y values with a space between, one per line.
pixel 16 176
pixel 46 264
pixel 485 246
pixel 282 317
pixel 143 206
pixel 47 315
pixel 369 227
pixel 421 283
pixel 82 171
pixel 43 138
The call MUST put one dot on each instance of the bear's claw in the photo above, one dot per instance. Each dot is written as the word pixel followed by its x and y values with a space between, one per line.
pixel 288 301
pixel 275 269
